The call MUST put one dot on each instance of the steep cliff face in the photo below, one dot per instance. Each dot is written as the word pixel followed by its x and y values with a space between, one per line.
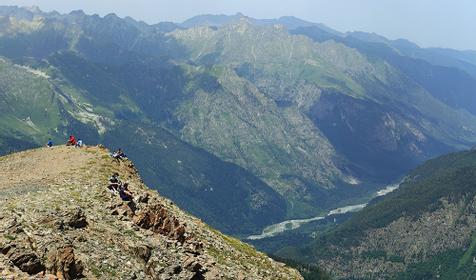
pixel 58 218
pixel 424 230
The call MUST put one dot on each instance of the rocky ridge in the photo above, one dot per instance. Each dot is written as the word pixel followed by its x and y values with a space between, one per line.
pixel 59 221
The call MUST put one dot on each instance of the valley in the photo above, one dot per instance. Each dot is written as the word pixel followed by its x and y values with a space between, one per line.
pixel 422 228
pixel 275 229
pixel 284 133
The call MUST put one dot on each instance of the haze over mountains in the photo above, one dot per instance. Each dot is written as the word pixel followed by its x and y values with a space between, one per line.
pixel 243 122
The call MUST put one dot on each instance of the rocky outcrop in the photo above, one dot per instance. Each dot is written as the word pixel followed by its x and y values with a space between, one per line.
pixel 23 258
pixel 76 219
pixel 63 263
pixel 157 219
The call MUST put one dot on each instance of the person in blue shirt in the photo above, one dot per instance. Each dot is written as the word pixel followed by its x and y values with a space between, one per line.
pixel 49 144
pixel 125 193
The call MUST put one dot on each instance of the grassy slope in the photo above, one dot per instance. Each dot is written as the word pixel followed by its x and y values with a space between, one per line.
pixel 417 86
pixel 21 122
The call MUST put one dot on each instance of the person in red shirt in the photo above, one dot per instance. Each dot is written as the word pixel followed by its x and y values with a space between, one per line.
pixel 71 141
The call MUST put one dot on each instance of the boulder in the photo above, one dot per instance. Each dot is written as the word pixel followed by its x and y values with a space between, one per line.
pixel 23 258
pixel 159 220
pixel 143 252
pixel 63 263
pixel 192 264
pixel 76 218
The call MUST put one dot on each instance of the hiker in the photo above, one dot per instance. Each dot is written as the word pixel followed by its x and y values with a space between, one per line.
pixel 114 183
pixel 71 141
pixel 119 154
pixel 79 143
pixel 49 144
pixel 125 193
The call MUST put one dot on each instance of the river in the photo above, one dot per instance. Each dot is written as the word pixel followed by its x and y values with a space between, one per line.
pixel 275 229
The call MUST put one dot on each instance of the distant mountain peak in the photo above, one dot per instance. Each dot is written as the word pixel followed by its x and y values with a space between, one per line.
pixel 111 15
pixel 34 9
pixel 290 22
pixel 77 12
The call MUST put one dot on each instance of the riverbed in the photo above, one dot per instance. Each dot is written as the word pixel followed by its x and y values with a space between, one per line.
pixel 275 229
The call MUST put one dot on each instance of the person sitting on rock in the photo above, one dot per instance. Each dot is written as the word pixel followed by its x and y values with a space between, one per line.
pixel 119 154
pixel 114 183
pixel 49 144
pixel 71 141
pixel 79 143
pixel 125 193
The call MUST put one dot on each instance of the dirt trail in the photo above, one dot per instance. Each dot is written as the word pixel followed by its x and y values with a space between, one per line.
pixel 35 166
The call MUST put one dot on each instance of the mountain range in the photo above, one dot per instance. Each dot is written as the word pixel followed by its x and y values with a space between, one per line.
pixel 243 122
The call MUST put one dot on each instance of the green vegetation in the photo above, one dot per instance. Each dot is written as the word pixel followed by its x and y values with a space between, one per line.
pixel 9 237
pixel 467 257
pixel 451 176
pixel 442 266
pixel 225 195
pixel 309 272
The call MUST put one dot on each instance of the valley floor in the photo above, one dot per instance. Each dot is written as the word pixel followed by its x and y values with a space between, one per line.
pixel 275 229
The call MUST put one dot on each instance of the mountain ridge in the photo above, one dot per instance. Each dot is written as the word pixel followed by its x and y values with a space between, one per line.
pixel 57 200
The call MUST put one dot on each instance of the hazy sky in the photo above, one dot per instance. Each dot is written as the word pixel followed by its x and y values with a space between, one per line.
pixel 440 23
